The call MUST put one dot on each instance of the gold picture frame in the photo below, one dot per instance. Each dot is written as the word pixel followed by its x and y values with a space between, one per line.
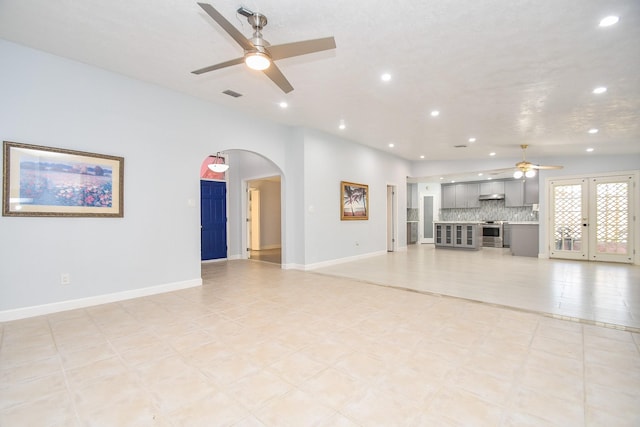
pixel 55 182
pixel 354 201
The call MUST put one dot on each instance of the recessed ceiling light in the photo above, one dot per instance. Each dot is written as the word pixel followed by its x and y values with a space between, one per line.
pixel 442 177
pixel 435 113
pixel 480 174
pixel 472 139
pixel 599 90
pixel 453 180
pixel 609 20
pixel 489 178
pixel 385 77
pixel 391 145
pixel 593 131
pixel 422 157
pixel 589 150
pixel 283 104
pixel 493 153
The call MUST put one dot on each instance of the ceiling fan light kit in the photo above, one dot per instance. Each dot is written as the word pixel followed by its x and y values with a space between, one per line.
pixel 528 169
pixel 257 61
pixel 258 54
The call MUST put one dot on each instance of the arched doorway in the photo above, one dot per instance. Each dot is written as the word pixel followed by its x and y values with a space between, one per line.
pixel 251 170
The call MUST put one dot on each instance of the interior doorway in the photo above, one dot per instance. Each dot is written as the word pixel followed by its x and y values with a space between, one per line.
pixel 391 218
pixel 427 204
pixel 593 218
pixel 264 219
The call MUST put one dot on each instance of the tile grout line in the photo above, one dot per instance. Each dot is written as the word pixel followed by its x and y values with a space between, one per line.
pixel 631 329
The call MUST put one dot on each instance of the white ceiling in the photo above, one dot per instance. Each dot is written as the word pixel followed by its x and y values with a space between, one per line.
pixel 504 72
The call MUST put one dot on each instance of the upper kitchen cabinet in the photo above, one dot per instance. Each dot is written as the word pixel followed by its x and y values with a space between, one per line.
pixel 514 193
pixel 521 192
pixel 448 196
pixel 492 187
pixel 412 195
pixel 531 191
pixel 472 196
pixel 460 196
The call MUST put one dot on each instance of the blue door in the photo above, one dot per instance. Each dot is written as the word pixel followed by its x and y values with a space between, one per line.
pixel 213 219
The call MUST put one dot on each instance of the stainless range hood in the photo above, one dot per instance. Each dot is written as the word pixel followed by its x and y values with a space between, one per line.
pixel 498 196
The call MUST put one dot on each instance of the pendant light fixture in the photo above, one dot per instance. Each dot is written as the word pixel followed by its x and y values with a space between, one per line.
pixel 218 164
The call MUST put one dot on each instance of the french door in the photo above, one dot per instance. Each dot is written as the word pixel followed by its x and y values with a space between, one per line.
pixel 593 218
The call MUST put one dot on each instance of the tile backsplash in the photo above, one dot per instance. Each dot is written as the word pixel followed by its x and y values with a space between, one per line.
pixel 490 210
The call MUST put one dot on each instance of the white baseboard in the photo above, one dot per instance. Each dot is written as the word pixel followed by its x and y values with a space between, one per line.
pixel 40 310
pixel 207 261
pixel 341 260
pixel 268 247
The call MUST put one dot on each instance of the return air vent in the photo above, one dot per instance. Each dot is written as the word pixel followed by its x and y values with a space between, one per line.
pixel 232 93
pixel 460 146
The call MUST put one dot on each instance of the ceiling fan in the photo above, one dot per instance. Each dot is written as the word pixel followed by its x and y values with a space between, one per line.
pixel 258 53
pixel 528 169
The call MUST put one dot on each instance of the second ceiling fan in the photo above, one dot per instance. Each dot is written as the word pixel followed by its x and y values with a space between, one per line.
pixel 528 169
pixel 258 54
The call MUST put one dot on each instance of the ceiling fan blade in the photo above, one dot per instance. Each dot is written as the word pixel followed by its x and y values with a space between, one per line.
pixel 218 66
pixel 499 171
pixel 546 167
pixel 227 26
pixel 288 50
pixel 274 73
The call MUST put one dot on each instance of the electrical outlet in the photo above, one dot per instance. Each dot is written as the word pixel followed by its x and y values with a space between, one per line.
pixel 65 279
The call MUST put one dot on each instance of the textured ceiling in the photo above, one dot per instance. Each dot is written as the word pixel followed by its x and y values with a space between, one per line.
pixel 504 72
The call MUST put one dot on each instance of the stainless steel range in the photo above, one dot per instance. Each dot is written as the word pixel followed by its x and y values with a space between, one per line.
pixel 492 234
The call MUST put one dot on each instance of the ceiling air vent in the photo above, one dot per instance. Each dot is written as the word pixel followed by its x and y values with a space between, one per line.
pixel 460 146
pixel 232 93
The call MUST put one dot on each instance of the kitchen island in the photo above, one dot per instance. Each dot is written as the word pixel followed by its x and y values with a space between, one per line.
pixel 458 234
pixel 524 238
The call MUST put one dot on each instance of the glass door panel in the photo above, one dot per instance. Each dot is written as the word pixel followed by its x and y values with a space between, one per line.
pixel 568 214
pixel 592 219
pixel 612 239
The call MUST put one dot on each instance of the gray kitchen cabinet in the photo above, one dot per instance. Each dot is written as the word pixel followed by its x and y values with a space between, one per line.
pixel 514 193
pixel 531 190
pixel 461 195
pixel 459 235
pixel 466 236
pixel 472 195
pixel 448 196
pixel 444 235
pixel 524 240
pixel 492 187
pixel 521 192
pixel 412 195
pixel 506 235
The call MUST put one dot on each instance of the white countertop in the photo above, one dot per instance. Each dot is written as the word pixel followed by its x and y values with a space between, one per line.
pixel 458 222
pixel 482 222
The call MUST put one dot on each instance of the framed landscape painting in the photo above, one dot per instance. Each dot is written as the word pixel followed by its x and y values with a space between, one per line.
pixel 354 201
pixel 46 181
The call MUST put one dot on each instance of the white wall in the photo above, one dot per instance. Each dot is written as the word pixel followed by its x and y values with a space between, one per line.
pixel 164 137
pixel 329 160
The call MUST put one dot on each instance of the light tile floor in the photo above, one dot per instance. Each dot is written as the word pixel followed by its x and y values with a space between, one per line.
pixel 602 293
pixel 261 346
